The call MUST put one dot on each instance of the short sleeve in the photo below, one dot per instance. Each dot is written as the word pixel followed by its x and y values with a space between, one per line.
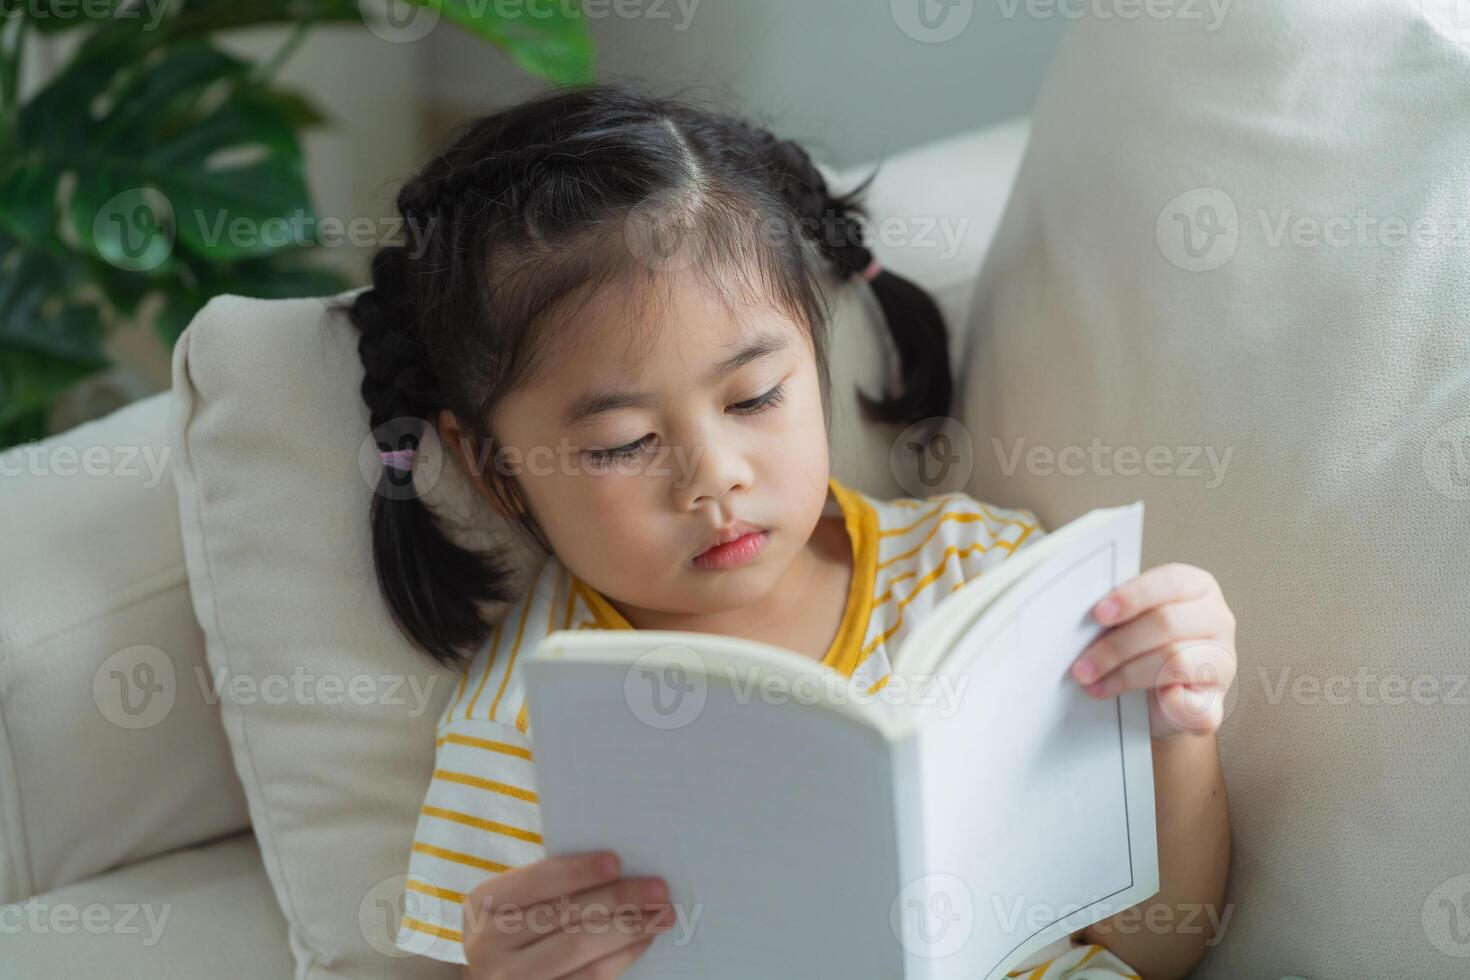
pixel 481 815
pixel 1082 961
pixel 982 535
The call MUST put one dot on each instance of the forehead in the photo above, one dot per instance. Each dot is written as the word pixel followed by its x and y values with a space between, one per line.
pixel 675 323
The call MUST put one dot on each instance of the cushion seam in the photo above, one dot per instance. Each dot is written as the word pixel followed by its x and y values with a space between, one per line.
pixel 14 820
pixel 264 827
pixel 28 635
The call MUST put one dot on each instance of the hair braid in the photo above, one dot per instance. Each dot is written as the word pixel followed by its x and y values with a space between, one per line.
pixel 515 216
pixel 913 320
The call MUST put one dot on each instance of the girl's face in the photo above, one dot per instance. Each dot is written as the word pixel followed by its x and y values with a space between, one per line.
pixel 634 454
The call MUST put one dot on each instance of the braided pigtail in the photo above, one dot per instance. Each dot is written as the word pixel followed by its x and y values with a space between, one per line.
pixel 510 228
pixel 431 584
pixel 913 320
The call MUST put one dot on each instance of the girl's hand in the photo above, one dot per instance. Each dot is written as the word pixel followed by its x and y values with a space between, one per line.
pixel 562 917
pixel 1171 634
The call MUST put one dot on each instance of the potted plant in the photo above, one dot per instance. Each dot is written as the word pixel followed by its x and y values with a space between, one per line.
pixel 149 121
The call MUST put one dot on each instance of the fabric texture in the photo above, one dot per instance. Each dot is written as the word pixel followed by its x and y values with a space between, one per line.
pixel 481 816
pixel 101 661
pixel 1231 282
pixel 274 470
pixel 1083 961
pixel 200 911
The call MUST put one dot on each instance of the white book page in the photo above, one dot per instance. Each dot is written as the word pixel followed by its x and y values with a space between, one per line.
pixel 772 820
pixel 1037 800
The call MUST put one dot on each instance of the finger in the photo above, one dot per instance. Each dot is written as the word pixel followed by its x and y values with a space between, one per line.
pixel 613 964
pixel 1199 664
pixel 1195 619
pixel 571 949
pixel 509 893
pixel 1171 582
pixel 1190 711
pixel 624 897
pixel 552 877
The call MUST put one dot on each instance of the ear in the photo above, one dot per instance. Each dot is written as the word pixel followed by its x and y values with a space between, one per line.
pixel 457 447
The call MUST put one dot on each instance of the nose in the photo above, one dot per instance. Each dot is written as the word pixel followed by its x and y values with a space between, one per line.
pixel 710 472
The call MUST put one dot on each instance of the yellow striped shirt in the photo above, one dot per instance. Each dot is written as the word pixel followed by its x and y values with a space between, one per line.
pixel 481 816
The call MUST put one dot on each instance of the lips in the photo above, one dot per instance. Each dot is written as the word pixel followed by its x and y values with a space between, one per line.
pixel 743 550
pixel 727 534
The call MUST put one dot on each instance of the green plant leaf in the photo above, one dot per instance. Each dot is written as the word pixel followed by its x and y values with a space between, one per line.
pixel 27 203
pixel 552 42
pixel 154 164
pixel 48 342
pixel 300 110
pixel 161 168
pixel 284 275
pixel 53 16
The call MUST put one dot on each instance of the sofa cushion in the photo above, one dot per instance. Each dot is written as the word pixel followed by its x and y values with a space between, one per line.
pixel 105 723
pixel 1184 305
pixel 274 509
pixel 203 911
pixel 272 434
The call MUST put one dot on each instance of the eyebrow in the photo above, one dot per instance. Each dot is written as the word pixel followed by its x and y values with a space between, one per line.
pixel 592 405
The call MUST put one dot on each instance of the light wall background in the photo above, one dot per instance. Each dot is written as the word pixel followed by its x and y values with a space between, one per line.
pixel 841 76
pixel 852 80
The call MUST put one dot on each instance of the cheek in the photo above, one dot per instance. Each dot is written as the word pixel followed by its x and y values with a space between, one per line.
pixel 803 432
pixel 602 516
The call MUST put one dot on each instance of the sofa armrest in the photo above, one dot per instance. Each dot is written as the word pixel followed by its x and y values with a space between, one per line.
pixel 111 748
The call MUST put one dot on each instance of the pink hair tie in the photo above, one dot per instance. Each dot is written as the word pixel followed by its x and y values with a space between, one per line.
pixel 871 271
pixel 398 459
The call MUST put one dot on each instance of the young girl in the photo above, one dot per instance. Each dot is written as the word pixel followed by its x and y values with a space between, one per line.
pixel 610 311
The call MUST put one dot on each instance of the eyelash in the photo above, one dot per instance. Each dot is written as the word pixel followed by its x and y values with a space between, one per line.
pixel 756 405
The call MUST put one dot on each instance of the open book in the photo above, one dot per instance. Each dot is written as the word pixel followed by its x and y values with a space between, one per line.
pixel 807 829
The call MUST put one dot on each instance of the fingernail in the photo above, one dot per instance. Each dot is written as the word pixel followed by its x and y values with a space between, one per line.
pixel 1095 689
pixel 1085 670
pixel 1106 610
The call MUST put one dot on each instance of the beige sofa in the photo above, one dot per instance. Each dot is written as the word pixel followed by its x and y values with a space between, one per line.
pixel 128 851
pixel 1128 299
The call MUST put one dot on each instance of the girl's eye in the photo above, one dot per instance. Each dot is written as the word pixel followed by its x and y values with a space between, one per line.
pixel 760 404
pixel 600 456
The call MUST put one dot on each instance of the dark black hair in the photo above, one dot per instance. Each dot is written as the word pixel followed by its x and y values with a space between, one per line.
pixel 531 206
